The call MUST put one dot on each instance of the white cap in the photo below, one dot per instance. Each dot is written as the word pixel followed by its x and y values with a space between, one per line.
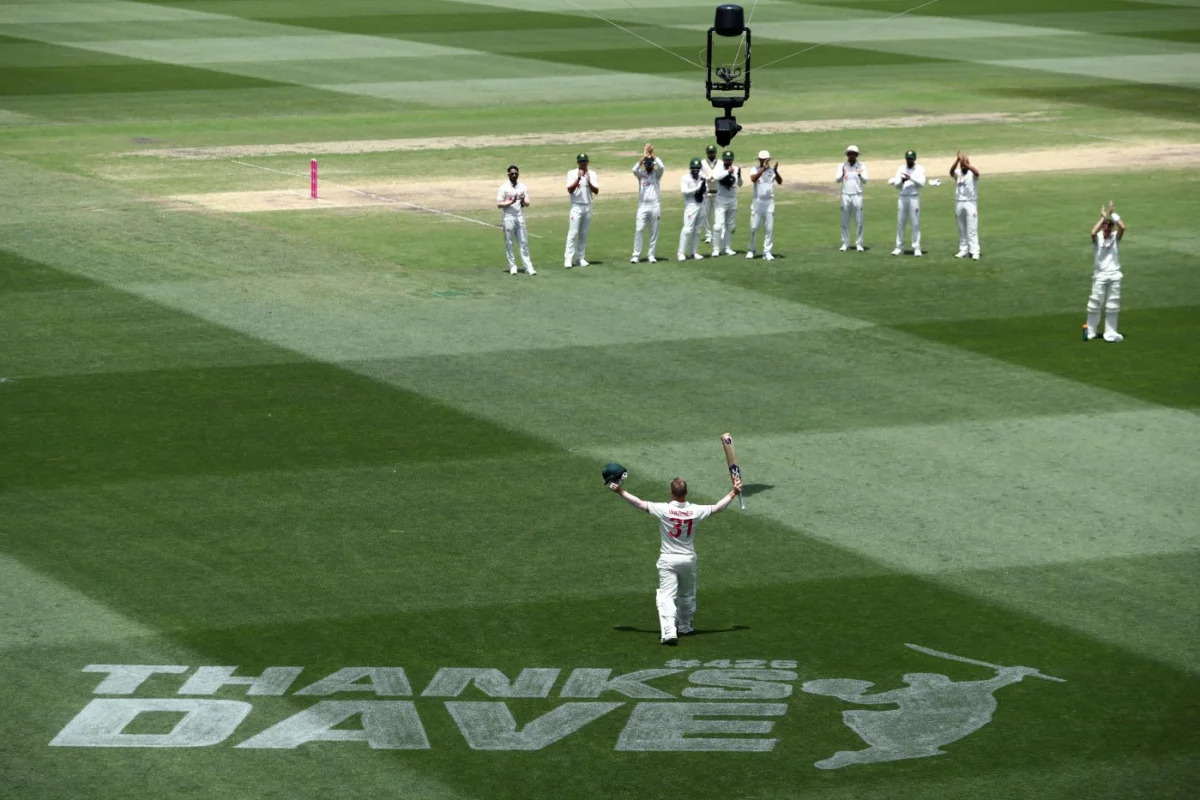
pixel 1115 217
pixel 852 149
pixel 763 154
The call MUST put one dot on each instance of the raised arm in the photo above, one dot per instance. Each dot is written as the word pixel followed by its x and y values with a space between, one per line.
pixel 954 166
pixel 778 177
pixel 1116 218
pixel 724 502
pixel 632 499
pixel 1099 222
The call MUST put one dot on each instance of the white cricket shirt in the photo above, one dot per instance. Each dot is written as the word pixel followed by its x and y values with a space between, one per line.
pixel 855 175
pixel 965 190
pixel 507 192
pixel 582 196
pixel 688 186
pixel 730 192
pixel 708 170
pixel 1107 263
pixel 916 179
pixel 649 190
pixel 677 525
pixel 764 189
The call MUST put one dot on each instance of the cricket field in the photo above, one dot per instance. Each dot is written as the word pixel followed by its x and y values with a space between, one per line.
pixel 301 498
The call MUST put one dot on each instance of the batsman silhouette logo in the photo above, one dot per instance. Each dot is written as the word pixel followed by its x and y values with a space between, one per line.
pixel 929 712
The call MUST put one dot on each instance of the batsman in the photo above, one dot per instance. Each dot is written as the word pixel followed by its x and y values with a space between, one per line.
pixel 676 597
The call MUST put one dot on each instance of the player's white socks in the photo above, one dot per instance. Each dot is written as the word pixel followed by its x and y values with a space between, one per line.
pixel 1110 321
pixel 1093 322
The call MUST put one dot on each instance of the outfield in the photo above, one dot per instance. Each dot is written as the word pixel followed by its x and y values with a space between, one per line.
pixel 308 438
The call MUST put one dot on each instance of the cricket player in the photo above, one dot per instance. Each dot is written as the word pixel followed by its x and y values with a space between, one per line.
pixel 1106 274
pixel 693 187
pixel 966 205
pixel 762 207
pixel 728 178
pixel 582 184
pixel 909 178
pixel 649 172
pixel 852 175
pixel 676 598
pixel 512 199
pixel 706 171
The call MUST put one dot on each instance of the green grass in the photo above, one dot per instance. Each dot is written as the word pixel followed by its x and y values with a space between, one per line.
pixel 345 437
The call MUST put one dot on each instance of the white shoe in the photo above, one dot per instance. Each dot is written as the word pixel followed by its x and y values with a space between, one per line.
pixel 530 271
pixel 917 252
pixel 897 251
pixel 730 252
pixel 567 264
pixel 697 256
pixel 1112 336
pixel 584 263
pixel 716 253
pixel 1091 334
pixel 708 239
pixel 768 257
pixel 512 270
pixel 843 248
pixel 681 256
pixel 961 254
pixel 859 247
pixel 975 256
pixel 750 254
pixel 652 260
pixel 633 260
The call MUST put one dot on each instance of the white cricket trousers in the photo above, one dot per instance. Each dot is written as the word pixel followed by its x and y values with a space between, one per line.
pixel 852 203
pixel 688 237
pixel 1106 294
pixel 908 209
pixel 648 215
pixel 577 231
pixel 967 214
pixel 676 597
pixel 710 206
pixel 724 224
pixel 762 215
pixel 514 230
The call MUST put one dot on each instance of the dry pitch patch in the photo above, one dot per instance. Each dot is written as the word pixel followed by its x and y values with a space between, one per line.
pixel 476 194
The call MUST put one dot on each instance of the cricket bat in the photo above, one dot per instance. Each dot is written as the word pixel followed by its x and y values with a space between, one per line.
pixel 731 458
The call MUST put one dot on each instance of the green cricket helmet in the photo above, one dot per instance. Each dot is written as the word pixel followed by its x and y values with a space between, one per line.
pixel 614 473
pixel 695 163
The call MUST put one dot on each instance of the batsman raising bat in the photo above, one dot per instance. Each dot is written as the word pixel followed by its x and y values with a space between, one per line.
pixel 676 597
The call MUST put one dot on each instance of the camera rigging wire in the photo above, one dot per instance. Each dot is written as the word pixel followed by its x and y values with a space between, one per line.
pixel 635 35
pixel 855 29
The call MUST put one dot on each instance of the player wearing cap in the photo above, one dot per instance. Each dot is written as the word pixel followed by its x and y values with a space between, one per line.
pixel 728 177
pixel 693 187
pixel 512 199
pixel 582 183
pixel 649 172
pixel 762 207
pixel 909 178
pixel 1106 274
pixel 676 596
pixel 707 168
pixel 852 175
pixel 966 205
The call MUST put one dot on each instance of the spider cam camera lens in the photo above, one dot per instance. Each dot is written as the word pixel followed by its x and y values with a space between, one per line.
pixel 727 128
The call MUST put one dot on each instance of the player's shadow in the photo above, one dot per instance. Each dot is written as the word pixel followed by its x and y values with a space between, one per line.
pixel 698 632
pixel 756 488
